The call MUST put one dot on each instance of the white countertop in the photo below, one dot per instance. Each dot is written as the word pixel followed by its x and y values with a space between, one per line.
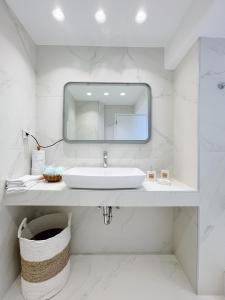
pixel 151 194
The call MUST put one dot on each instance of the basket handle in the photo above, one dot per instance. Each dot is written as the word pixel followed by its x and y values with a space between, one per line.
pixel 69 219
pixel 21 227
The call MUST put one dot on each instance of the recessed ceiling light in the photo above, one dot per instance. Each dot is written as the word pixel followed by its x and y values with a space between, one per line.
pixel 122 94
pixel 141 16
pixel 58 14
pixel 88 93
pixel 106 94
pixel 100 16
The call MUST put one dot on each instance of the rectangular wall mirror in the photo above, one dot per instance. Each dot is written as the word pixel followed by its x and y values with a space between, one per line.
pixel 107 112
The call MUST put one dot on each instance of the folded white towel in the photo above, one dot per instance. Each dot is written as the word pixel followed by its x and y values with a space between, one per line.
pixel 20 189
pixel 15 185
pixel 22 184
pixel 24 179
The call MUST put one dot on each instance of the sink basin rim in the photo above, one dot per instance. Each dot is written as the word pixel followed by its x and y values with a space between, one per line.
pixel 110 171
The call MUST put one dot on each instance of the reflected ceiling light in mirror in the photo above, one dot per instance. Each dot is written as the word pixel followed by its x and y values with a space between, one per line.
pixel 122 94
pixel 100 16
pixel 88 93
pixel 140 17
pixel 106 94
pixel 58 14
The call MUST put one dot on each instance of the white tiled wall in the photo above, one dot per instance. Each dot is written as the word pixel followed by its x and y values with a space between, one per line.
pixel 58 65
pixel 132 230
pixel 17 97
pixel 212 166
pixel 186 99
pixel 185 242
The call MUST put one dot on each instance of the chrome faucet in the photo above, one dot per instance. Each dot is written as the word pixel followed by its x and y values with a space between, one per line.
pixel 105 159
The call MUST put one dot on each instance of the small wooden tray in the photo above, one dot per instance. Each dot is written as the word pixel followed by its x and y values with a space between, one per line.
pixel 52 178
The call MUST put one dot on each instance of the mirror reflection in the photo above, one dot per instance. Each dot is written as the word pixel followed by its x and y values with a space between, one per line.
pixel 106 112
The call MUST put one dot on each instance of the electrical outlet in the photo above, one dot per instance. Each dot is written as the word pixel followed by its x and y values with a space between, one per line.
pixel 24 134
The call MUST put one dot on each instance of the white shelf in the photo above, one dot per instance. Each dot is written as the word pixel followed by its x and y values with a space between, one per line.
pixel 150 195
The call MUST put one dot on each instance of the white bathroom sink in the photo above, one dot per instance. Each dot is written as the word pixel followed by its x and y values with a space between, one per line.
pixel 103 178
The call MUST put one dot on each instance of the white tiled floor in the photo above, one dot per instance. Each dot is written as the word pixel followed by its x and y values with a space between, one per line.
pixel 123 277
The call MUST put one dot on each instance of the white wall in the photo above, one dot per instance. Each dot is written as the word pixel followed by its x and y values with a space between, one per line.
pixel 17 96
pixel 141 106
pixel 70 116
pixel 87 120
pixel 212 167
pixel 185 241
pixel 57 66
pixel 133 230
pixel 186 99
pixel 186 94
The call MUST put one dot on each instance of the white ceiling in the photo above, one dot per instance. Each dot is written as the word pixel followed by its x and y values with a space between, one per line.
pixel 120 29
pixel 172 24
pixel 205 18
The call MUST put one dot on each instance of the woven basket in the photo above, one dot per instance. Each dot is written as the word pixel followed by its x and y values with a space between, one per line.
pixel 45 263
pixel 52 178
